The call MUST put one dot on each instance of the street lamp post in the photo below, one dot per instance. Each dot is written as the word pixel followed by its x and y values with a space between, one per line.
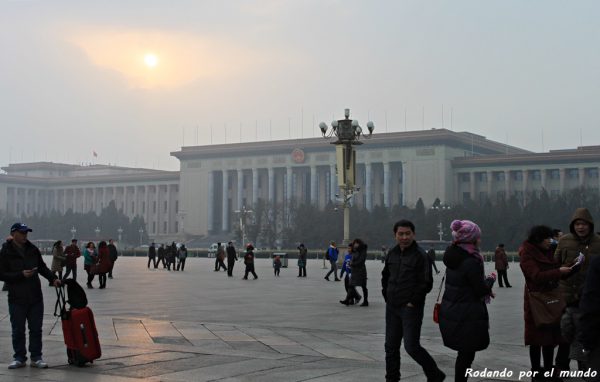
pixel 141 231
pixel 440 208
pixel 243 213
pixel 120 232
pixel 97 230
pixel 73 232
pixel 348 133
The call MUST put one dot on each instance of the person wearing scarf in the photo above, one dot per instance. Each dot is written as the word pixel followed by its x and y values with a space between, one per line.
pixel 464 320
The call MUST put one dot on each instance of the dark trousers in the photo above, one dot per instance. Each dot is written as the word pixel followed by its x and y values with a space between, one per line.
pixel 276 271
pixel 594 363
pixel 464 359
pixel 71 269
pixel 405 323
pixel 90 276
pixel 230 264
pixel 302 271
pixel 250 269
pixel 112 265
pixel 181 264
pixel 562 360
pixel 332 270
pixel 151 260
pixel 502 276
pixel 102 280
pixel 161 260
pixel 535 355
pixel 34 314
pixel 220 264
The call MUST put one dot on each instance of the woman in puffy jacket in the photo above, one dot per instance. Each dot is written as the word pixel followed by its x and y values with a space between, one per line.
pixel 464 320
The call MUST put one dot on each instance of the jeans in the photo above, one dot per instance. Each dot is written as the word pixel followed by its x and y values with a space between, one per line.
pixel 502 276
pixel 33 313
pixel 333 269
pixel 181 264
pixel 404 322
pixel 71 269
pixel 302 271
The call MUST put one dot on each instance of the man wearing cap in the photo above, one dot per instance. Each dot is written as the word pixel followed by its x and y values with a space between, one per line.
pixel 72 252
pixel 20 264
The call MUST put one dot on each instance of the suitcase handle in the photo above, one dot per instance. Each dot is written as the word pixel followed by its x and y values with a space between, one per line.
pixel 61 302
pixel 82 328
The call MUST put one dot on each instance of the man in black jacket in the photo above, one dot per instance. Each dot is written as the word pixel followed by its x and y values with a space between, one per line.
pixel 20 264
pixel 152 256
pixel 113 254
pixel 406 280
pixel 590 318
pixel 231 258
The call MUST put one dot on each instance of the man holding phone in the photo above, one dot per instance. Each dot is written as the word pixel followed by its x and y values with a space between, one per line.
pixel 20 264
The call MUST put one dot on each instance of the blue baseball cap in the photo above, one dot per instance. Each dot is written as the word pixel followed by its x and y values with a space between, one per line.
pixel 20 227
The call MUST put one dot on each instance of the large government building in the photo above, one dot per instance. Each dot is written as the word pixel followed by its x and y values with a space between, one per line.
pixel 216 181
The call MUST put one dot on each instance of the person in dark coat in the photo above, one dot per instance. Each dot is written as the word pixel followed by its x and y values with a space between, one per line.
pixel 542 273
pixel 302 258
pixel 114 255
pixel 589 305
pixel 405 280
pixel 249 262
pixel 501 263
pixel 231 258
pixel 359 270
pixel 182 254
pixel 463 317
pixel 104 263
pixel 220 258
pixel 21 264
pixel 72 252
pixel 352 296
pixel 161 256
pixel 152 256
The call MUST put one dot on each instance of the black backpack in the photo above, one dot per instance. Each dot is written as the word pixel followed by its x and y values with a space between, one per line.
pixel 77 298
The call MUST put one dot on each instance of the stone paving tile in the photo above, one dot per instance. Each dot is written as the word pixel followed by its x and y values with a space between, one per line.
pixel 131 331
pixel 194 331
pixel 232 335
pixel 251 346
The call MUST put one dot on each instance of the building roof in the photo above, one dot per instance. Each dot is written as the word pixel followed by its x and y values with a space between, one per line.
pixel 582 154
pixel 478 144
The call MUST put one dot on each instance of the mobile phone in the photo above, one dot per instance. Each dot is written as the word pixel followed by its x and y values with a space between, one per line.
pixel 34 269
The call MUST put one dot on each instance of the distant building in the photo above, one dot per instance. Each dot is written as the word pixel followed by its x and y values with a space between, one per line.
pixel 214 181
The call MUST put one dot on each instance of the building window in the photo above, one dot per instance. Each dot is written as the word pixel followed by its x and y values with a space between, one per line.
pixel 536 175
pixel 465 177
pixel 466 197
pixel 154 208
pixel 177 227
pixel 518 175
pixel 500 176
pixel 554 174
pixel 165 206
pixel 132 207
pixel 154 227
pixel 573 173
pixel 164 227
pixel 501 195
pixel 481 176
pixel 592 173
pixel 244 181
pixel 143 207
pixel 177 206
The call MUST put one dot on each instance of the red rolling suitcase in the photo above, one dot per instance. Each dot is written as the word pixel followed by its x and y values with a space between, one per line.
pixel 79 331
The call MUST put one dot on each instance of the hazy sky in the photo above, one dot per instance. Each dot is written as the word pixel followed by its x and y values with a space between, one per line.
pixel 73 76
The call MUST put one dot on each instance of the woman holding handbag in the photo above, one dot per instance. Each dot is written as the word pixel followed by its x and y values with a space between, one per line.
pixel 542 274
pixel 463 315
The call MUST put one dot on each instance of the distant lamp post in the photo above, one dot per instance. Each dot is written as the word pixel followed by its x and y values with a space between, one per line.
pixel 348 133
pixel 440 208
pixel 97 230
pixel 120 232
pixel 141 231
pixel 243 213
pixel 73 232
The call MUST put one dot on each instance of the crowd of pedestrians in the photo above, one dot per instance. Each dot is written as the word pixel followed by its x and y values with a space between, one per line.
pixel 561 305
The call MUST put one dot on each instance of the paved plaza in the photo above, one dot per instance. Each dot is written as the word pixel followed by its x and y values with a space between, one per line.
pixel 200 325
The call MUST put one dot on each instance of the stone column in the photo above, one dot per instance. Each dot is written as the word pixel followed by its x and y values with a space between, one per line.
pixel 225 211
pixel 506 184
pixel 74 201
pixel 543 179
pixel 211 201
pixel 95 200
pixel 490 179
pixel 562 173
pixel 64 205
pixel 581 178
pixel 288 183
pixel 472 188
pixel 313 185
pixel 254 186
pixel 368 188
pixel 386 184
pixel 525 177
pixel 136 203
pixel 271 193
pixel 240 188
pixel 333 182
pixel 146 207
pixel 169 214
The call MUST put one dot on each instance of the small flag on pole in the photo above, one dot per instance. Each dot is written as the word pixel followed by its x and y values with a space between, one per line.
pixel 95 154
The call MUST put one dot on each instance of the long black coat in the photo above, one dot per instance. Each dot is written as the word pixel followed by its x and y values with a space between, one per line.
pixel 590 308
pixel 357 265
pixel 464 320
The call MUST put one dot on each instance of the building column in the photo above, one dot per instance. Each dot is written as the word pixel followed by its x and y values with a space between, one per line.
pixel 333 182
pixel 74 200
pixel 506 184
pixel 254 186
pixel 562 173
pixel 225 211
pixel 64 205
pixel 472 185
pixel 581 177
pixel 368 188
pixel 313 185
pixel 271 193
pixel 157 200
pixel 169 220
pixel 543 179
pixel 211 201
pixel 525 177
pixel 490 179
pixel 146 207
pixel 386 184
pixel 288 183
pixel 240 189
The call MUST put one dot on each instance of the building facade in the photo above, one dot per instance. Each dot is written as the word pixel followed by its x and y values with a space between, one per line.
pixel 216 181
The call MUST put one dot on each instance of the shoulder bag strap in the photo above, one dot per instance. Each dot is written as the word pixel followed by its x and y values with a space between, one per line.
pixel 441 285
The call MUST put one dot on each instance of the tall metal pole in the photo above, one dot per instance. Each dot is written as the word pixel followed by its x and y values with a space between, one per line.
pixel 346 241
